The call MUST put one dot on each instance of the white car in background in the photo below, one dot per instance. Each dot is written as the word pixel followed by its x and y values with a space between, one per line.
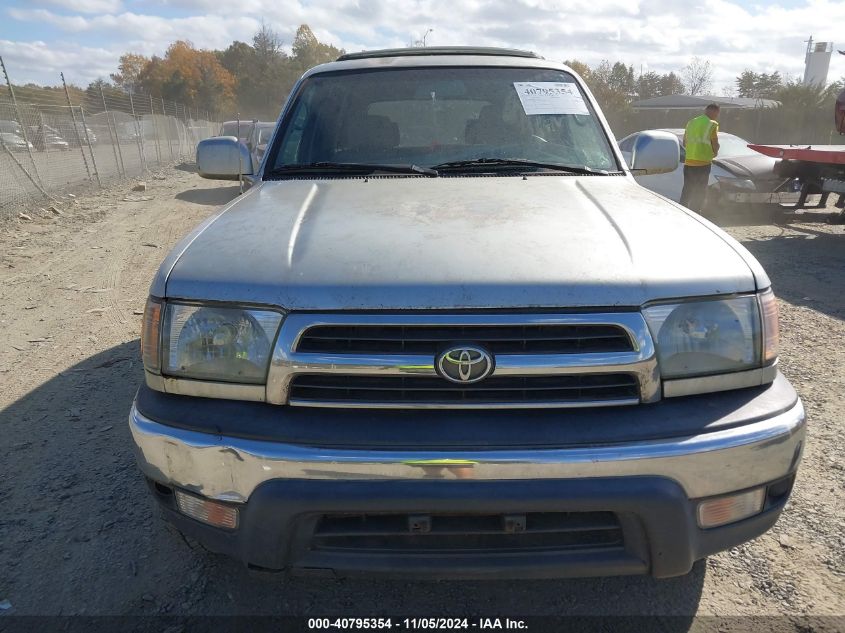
pixel 739 176
pixel 14 142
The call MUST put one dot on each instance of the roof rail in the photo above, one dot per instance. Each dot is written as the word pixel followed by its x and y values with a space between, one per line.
pixel 439 50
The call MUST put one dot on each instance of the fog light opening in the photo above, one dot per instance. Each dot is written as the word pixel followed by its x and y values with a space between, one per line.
pixel 779 490
pixel 730 508
pixel 164 491
pixel 207 511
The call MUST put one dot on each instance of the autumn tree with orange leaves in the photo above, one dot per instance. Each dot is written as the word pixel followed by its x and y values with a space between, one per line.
pixel 190 76
pixel 129 70
pixel 252 80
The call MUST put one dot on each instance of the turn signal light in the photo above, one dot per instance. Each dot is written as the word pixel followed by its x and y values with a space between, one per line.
pixel 151 336
pixel 207 511
pixel 730 508
pixel 771 332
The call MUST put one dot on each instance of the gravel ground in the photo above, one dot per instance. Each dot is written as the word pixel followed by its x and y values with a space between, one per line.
pixel 80 534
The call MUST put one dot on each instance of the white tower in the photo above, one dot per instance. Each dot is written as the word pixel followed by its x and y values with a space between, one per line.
pixel 817 62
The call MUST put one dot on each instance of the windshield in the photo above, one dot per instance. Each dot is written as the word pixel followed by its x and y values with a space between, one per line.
pixel 264 134
pixel 430 116
pixel 10 127
pixel 730 145
pixel 240 129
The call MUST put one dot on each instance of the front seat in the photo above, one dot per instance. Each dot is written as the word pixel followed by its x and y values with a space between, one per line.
pixel 490 128
pixel 370 135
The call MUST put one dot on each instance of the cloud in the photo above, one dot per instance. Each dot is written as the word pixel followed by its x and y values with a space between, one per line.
pixel 84 6
pixel 41 62
pixel 156 32
pixel 662 34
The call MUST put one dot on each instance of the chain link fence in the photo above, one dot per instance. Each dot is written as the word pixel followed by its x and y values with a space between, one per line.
pixel 49 149
pixel 788 124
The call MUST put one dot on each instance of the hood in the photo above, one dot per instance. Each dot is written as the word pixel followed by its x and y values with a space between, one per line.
pixel 452 243
pixel 754 166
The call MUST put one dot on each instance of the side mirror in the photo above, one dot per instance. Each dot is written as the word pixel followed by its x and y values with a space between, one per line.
pixel 655 152
pixel 223 158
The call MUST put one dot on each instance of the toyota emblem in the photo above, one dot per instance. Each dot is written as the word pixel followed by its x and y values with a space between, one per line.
pixel 464 364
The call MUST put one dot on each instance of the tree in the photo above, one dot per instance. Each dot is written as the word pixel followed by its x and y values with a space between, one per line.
pixel 129 70
pixel 614 86
pixel 746 83
pixel 237 58
pixel 799 96
pixel 758 86
pixel 192 77
pixel 308 51
pixel 267 45
pixel 250 79
pixel 804 113
pixel 697 76
pixel 579 67
pixel 268 81
pixel 100 88
pixel 768 85
pixel 671 84
pixel 264 73
pixel 648 85
pixel 622 79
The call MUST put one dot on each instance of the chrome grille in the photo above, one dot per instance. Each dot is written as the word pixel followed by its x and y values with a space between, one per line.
pixel 340 390
pixel 499 339
pixel 384 360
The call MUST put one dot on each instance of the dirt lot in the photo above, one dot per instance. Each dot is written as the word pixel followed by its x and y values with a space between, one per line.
pixel 80 535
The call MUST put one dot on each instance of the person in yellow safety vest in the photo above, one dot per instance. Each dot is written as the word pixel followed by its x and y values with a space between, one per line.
pixel 701 142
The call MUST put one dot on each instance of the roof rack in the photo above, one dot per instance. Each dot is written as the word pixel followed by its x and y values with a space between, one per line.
pixel 439 50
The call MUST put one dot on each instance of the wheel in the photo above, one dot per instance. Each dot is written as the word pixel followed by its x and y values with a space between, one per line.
pixel 776 214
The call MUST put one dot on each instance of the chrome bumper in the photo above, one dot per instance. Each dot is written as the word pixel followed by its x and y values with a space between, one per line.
pixel 229 469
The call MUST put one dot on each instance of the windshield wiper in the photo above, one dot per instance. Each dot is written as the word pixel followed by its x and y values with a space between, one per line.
pixel 518 162
pixel 361 168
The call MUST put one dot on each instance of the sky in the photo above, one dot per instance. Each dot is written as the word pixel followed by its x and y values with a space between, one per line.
pixel 85 38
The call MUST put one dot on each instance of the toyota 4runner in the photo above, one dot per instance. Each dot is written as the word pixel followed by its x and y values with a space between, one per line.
pixel 445 333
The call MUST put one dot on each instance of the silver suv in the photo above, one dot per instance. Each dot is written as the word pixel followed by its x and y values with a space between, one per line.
pixel 445 333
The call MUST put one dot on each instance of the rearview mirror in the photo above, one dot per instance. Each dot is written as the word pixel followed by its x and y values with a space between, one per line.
pixel 655 152
pixel 223 158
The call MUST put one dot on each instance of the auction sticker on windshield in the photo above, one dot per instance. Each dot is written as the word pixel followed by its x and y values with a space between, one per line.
pixel 549 97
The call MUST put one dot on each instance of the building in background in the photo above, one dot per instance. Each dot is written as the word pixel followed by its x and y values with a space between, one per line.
pixel 817 62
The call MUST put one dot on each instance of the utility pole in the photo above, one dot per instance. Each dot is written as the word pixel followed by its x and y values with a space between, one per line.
pixel 421 42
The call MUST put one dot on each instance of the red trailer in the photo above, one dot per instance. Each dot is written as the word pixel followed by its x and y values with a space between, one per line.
pixel 819 168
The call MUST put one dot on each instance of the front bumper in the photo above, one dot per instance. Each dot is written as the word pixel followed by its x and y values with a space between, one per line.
pixel 651 485
pixel 761 197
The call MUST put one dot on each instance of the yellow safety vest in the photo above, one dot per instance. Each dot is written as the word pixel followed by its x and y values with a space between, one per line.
pixel 698 133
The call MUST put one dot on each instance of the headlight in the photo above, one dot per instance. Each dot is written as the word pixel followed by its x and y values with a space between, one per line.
pixel 729 182
pixel 697 338
pixel 211 343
